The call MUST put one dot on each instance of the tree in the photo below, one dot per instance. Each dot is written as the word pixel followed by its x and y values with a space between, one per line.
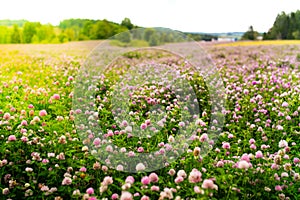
pixel 285 26
pixel 127 23
pixel 63 38
pixel 137 34
pixel 103 30
pixel 86 30
pixel 45 33
pixel 15 36
pixel 29 30
pixel 281 26
pixel 296 35
pixel 154 40
pixel 124 37
pixel 70 33
pixel 148 33
pixel 250 34
pixel 4 35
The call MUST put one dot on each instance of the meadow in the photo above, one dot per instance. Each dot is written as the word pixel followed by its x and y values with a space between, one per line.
pixel 44 156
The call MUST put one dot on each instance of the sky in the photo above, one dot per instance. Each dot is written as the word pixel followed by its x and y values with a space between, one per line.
pixel 210 16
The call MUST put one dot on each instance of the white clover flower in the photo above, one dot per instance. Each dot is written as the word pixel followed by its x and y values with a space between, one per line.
pixel 140 167
pixel 282 144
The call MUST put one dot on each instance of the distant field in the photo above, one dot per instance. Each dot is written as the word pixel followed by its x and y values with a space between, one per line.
pixel 266 42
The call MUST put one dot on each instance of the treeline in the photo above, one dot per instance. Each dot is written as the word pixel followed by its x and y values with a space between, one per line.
pixel 87 29
pixel 22 31
pixel 148 37
pixel 201 37
pixel 68 30
pixel 28 32
pixel 286 26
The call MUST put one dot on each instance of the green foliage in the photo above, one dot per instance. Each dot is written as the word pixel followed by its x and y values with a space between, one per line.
pixel 29 30
pixel 4 35
pixel 154 40
pixel 15 36
pixel 250 34
pixel 45 33
pixel 127 23
pixel 124 37
pixel 84 29
pixel 68 23
pixel 199 37
pixel 146 37
pixel 296 35
pixel 22 31
pixel 286 26
pixel 148 33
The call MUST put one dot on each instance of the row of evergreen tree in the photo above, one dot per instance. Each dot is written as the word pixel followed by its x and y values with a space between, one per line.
pixel 285 27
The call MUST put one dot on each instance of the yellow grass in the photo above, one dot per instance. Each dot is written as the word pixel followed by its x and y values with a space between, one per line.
pixel 264 42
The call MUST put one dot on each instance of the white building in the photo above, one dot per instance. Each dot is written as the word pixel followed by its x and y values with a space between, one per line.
pixel 221 39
